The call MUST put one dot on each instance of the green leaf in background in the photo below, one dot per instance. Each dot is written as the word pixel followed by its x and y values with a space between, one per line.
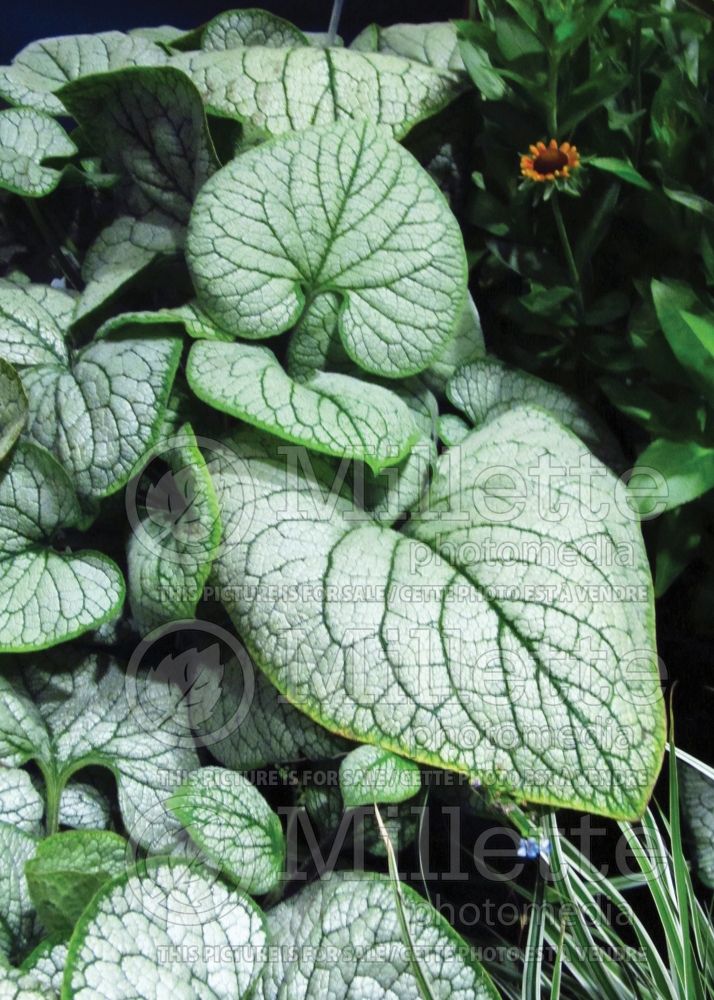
pixel 679 534
pixel 47 594
pixel 282 90
pixel 479 67
pixel 369 774
pixel 691 337
pixel 488 387
pixel 21 804
pixel 271 732
pixel 356 909
pixel 170 551
pixel 234 827
pixel 66 871
pixel 433 44
pixel 571 31
pixel 698 807
pixel 27 139
pixel 16 908
pixel 43 67
pixel 334 414
pixel 149 125
pixel 694 202
pixel 13 407
pixel 381 232
pixel 66 718
pixel 383 670
pixel 166 908
pixel 121 253
pixel 686 466
pixel 620 168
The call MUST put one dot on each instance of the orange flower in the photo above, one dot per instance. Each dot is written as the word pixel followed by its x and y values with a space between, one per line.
pixel 551 162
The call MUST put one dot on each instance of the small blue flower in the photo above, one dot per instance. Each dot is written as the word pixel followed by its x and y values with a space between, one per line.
pixel 529 847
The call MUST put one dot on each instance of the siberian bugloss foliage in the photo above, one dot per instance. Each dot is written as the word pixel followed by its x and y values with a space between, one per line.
pixel 272 507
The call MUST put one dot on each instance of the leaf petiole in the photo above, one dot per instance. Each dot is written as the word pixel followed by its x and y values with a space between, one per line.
pixel 58 252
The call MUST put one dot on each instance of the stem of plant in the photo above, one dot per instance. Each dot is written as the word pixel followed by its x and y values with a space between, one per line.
pixel 65 265
pixel 636 74
pixel 53 792
pixel 568 251
pixel 334 21
pixel 553 64
pixel 553 67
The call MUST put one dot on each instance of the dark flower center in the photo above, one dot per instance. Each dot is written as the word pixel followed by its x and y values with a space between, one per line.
pixel 549 161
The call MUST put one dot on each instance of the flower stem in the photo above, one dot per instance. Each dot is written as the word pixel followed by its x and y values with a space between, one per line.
pixel 334 21
pixel 568 251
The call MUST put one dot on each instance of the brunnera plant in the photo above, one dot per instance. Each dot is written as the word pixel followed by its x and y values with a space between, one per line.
pixel 244 389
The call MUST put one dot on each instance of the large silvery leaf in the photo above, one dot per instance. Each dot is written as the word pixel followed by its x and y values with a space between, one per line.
pixel 271 732
pixel 84 807
pixel 149 125
pixel 465 346
pixel 45 965
pixel 369 774
pixel 168 930
pixel 434 44
pixel 21 804
pixel 393 491
pixel 233 825
pixel 488 387
pixel 21 985
pixel 16 909
pixel 13 407
pixel 234 29
pixel 171 549
pixel 333 414
pixel 469 641
pixel 284 90
pixel 65 719
pixel 40 69
pixel 48 594
pixel 121 253
pixel 188 316
pixel 35 319
pixel 353 915
pixel 100 414
pixel 698 804
pixel 27 139
pixel 67 869
pixel 315 343
pixel 380 235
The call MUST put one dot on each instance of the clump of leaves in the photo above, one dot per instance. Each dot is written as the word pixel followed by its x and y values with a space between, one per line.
pixel 602 280
pixel 246 409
